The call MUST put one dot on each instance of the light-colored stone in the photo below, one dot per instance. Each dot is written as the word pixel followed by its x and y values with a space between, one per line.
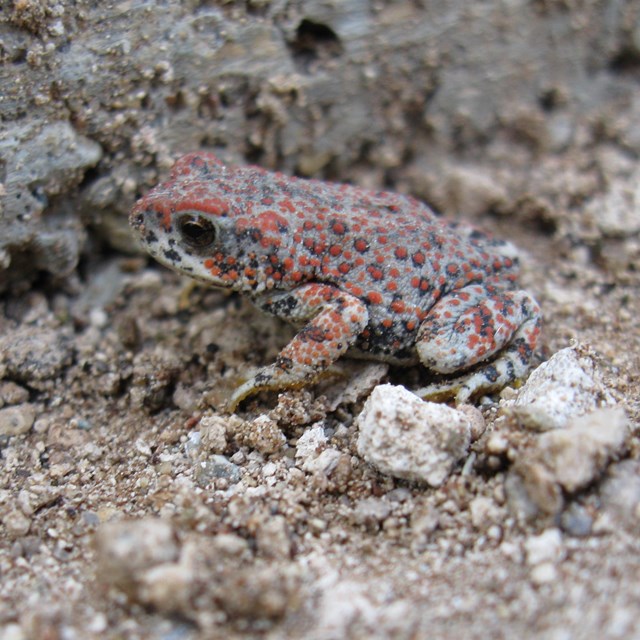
pixel 16 524
pixel 620 494
pixel 15 421
pixel 565 461
pixel 568 384
pixel 546 547
pixel 310 445
pixel 403 436
pixel 213 433
pixel 126 549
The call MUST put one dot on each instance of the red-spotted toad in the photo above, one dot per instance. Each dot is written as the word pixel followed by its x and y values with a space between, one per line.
pixel 374 274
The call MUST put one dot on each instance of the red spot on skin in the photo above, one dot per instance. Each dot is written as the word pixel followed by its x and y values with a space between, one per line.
pixel 375 273
pixel 392 286
pixel 360 245
pixel 344 268
pixel 387 323
pixel 397 306
pixel 208 263
pixel 288 263
pixel 338 228
pixel 287 205
pixel 374 297
pixel 401 253
pixel 335 250
pixel 418 258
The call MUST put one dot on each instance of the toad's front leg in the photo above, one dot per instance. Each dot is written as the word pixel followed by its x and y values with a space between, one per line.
pixel 334 321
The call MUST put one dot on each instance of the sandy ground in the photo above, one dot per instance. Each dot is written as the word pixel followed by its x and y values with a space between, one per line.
pixel 132 508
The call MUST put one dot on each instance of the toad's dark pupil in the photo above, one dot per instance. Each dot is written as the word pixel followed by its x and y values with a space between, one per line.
pixel 197 232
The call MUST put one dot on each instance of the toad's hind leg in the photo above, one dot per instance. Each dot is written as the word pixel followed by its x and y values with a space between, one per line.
pixel 468 327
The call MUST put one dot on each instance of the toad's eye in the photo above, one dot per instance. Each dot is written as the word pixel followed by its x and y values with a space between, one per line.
pixel 196 231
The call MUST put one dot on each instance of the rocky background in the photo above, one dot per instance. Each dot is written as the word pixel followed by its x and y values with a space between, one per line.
pixel 131 507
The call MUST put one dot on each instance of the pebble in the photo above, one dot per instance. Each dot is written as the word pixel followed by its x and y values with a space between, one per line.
pixel 215 468
pixel 126 549
pixel 12 393
pixel 17 420
pixel 371 511
pixel 620 494
pixel 484 513
pixel 214 433
pixel 35 356
pixel 265 435
pixel 568 384
pixel 16 524
pixel 361 379
pixel 576 521
pixel 310 445
pixel 166 587
pixel 546 547
pixel 405 437
pixel 566 460
pixel 617 211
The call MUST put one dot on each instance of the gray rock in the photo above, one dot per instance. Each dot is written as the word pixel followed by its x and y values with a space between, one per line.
pixel 214 468
pixel 42 162
pixel 35 356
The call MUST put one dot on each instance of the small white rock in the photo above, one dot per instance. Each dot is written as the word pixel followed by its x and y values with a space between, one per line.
pixel 567 385
pixel 17 420
pixel 544 573
pixel 405 437
pixel 484 513
pixel 547 547
pixel 578 454
pixel 214 433
pixel 310 445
